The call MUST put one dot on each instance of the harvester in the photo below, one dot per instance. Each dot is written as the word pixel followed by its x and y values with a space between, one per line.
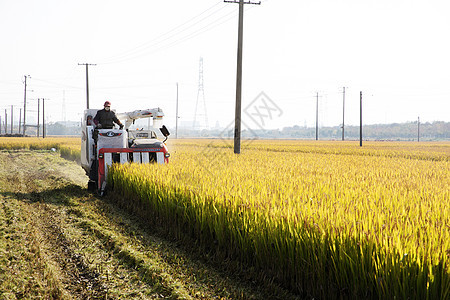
pixel 100 148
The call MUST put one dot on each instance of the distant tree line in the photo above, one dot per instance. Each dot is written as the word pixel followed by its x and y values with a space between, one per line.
pixel 397 131
pixel 60 128
pixel 435 131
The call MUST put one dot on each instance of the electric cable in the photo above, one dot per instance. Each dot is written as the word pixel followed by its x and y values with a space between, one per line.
pixel 165 36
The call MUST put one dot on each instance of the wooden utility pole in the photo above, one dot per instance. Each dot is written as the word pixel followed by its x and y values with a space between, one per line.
pixel 418 129
pixel 25 104
pixel 20 118
pixel 317 116
pixel 176 121
pixel 43 118
pixel 360 119
pixel 343 113
pixel 12 119
pixel 39 117
pixel 87 82
pixel 237 120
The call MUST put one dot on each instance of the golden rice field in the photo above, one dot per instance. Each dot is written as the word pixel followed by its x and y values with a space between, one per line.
pixel 327 219
pixel 69 147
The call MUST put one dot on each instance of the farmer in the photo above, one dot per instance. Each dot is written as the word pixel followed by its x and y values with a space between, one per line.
pixel 105 118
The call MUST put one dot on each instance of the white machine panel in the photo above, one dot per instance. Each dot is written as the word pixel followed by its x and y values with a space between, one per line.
pixel 87 146
pixel 123 157
pixel 112 138
pixel 160 157
pixel 145 157
pixel 108 163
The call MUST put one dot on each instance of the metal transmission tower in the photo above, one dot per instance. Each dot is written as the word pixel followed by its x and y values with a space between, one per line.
pixel 201 93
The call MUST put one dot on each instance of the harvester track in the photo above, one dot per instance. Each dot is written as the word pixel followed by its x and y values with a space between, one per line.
pixel 57 241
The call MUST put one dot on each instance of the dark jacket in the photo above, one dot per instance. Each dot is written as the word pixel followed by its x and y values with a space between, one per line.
pixel 106 119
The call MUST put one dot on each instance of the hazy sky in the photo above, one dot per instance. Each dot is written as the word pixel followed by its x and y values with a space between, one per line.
pixel 396 52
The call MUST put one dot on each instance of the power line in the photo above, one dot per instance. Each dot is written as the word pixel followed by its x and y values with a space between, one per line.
pixel 204 29
pixel 142 49
pixel 55 84
pixel 147 51
pixel 145 45
pixel 200 31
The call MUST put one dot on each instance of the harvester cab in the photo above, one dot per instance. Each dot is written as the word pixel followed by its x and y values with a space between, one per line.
pixel 102 147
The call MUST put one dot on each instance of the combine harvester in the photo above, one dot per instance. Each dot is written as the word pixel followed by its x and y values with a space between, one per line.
pixel 101 147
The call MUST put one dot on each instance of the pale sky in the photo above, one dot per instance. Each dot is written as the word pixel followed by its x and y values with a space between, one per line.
pixel 396 52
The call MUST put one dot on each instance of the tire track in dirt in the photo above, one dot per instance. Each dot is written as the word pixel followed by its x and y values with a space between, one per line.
pixel 44 194
pixel 74 274
pixel 31 182
pixel 89 248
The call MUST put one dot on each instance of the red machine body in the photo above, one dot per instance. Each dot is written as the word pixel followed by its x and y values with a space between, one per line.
pixel 107 156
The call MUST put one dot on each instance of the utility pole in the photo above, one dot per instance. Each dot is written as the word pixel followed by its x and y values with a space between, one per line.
pixel 343 113
pixel 360 119
pixel 64 107
pixel 12 119
pixel 176 121
pixel 418 129
pixel 43 118
pixel 20 118
pixel 25 105
pixel 237 120
pixel 317 116
pixel 39 117
pixel 87 82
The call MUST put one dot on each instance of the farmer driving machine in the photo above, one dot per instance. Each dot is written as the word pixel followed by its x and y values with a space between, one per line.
pixel 100 148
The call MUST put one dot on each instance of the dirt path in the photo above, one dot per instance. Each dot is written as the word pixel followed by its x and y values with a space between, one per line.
pixel 59 242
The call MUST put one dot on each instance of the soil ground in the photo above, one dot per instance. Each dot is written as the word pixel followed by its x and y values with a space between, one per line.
pixel 57 241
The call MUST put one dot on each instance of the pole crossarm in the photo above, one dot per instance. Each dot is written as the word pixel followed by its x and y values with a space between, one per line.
pixel 245 2
pixel 87 81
